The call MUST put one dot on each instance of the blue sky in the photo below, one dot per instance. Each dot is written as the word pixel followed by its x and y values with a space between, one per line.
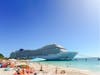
pixel 31 24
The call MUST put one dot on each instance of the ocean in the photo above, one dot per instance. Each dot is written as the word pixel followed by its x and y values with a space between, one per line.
pixel 91 65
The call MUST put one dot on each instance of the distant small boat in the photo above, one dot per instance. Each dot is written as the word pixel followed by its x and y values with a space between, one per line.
pixel 98 59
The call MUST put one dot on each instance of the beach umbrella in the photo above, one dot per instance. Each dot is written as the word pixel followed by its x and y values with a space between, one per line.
pixel 37 59
pixel 23 66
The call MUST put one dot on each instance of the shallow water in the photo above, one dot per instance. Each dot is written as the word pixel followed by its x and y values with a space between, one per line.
pixel 92 65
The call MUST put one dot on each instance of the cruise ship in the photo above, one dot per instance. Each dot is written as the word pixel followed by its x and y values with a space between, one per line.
pixel 48 52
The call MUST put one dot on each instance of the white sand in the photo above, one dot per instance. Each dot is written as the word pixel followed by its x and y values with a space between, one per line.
pixel 50 70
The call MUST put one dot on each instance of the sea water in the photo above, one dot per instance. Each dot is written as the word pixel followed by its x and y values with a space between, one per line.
pixel 91 65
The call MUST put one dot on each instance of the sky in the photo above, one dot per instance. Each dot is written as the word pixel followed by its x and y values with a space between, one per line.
pixel 31 24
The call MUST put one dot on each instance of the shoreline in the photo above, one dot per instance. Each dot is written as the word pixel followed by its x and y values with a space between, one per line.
pixel 48 69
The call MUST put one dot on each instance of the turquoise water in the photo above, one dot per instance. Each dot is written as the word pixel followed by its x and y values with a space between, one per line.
pixel 92 65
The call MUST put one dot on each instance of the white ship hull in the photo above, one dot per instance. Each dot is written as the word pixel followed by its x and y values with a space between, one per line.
pixel 60 56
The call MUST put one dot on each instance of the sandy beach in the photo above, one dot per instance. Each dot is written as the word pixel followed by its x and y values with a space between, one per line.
pixel 47 70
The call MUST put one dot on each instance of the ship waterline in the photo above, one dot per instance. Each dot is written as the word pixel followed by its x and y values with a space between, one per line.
pixel 48 52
